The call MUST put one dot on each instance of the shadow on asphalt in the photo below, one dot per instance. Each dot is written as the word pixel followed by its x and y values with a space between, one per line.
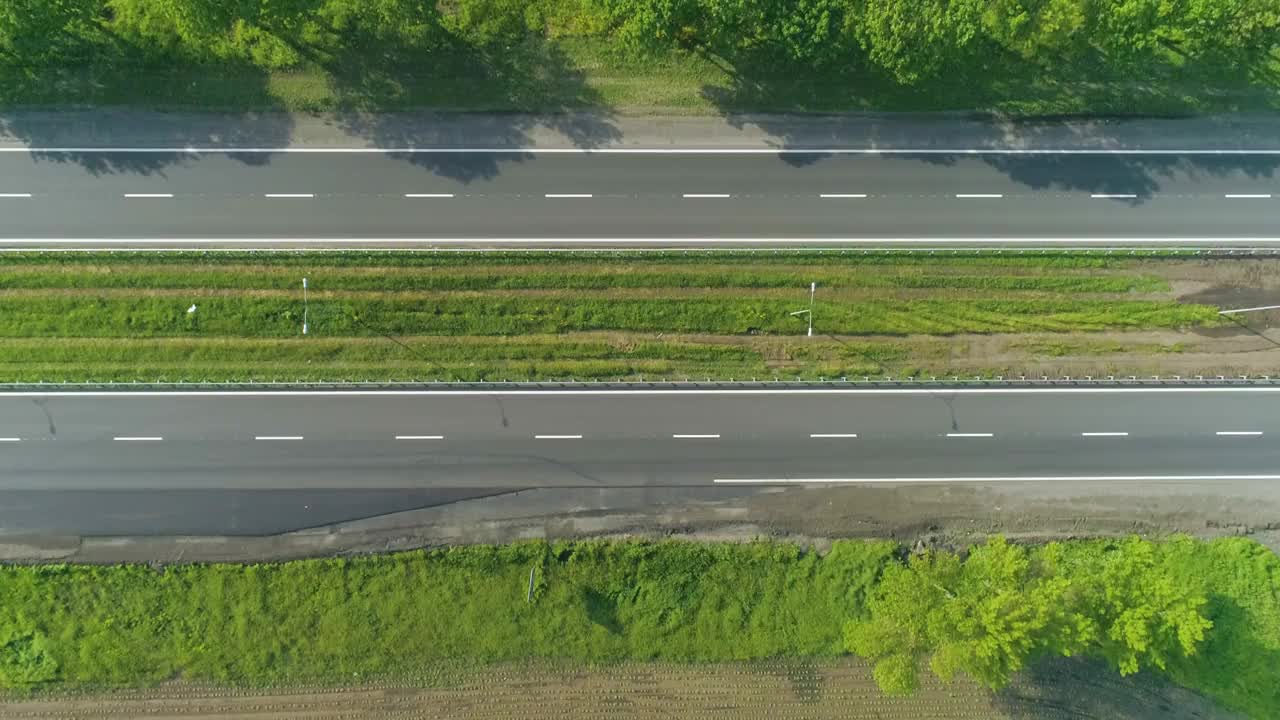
pixel 763 81
pixel 427 70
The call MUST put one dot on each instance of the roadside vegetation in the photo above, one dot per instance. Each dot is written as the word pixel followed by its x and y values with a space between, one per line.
pixel 693 56
pixel 97 317
pixel 1204 613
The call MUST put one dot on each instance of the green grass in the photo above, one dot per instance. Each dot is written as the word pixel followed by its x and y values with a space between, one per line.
pixel 394 616
pixel 427 358
pixel 407 615
pixel 583 276
pixel 580 73
pixel 1046 260
pixel 504 314
pixel 1059 348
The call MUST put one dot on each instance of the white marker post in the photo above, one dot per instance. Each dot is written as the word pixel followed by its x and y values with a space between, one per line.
pixel 304 306
pixel 813 287
pixel 1249 309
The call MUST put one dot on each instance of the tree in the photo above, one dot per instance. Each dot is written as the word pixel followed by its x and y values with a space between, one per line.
pixel 37 32
pixel 1005 611
pixel 1237 32
pixel 1005 605
pixel 1038 30
pixel 914 41
pixel 1144 617
pixel 896 637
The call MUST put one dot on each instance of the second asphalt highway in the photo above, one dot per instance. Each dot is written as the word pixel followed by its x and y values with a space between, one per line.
pixel 158 449
pixel 476 198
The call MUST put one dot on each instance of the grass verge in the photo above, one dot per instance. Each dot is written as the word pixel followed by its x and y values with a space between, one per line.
pixel 393 616
pixel 525 316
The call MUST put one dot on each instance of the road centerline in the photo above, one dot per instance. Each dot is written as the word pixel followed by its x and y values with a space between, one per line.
pixel 970 435
pixel 1104 434
pixel 277 437
pixel 137 438
pixel 419 437
pixel 557 437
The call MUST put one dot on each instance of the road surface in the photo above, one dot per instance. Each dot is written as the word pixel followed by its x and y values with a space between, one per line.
pixel 544 197
pixel 268 462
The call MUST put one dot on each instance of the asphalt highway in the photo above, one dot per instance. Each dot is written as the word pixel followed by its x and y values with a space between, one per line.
pixel 485 198
pixel 259 463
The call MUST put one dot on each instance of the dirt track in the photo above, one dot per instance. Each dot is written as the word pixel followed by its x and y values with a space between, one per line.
pixel 1058 690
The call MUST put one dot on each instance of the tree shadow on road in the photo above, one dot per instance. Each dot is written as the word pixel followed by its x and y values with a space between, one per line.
pixel 532 73
pixel 378 83
pixel 1003 102
pixel 60 106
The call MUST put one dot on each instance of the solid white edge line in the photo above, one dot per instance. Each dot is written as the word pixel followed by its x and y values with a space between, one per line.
pixel 557 437
pixel 277 437
pixel 695 437
pixel 428 195
pixel 842 195
pixel 567 195
pixel 706 195
pixel 976 196
pixel 833 435
pixel 15 195
pixel 637 151
pixel 289 195
pixel 971 435
pixel 419 437
pixel 1029 478
pixel 616 242
pixel 1104 434
pixel 148 195
pixel 934 392
pixel 1247 196
pixel 1249 433
pixel 135 438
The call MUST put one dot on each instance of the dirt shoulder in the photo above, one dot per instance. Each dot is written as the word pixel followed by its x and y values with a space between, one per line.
pixel 955 514
pixel 845 689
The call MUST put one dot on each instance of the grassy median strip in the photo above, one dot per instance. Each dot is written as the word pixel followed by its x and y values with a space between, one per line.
pixel 404 616
pixel 533 316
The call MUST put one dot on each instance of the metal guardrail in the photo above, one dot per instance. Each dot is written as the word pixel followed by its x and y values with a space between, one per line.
pixel 941 383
